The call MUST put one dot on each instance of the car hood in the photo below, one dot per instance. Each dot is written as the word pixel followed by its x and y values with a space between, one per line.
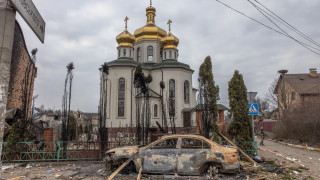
pixel 125 151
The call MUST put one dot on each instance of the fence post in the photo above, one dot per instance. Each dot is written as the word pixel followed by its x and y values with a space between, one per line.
pixel 58 150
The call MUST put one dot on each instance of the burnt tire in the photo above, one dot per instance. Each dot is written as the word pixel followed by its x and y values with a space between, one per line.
pixel 211 170
pixel 130 168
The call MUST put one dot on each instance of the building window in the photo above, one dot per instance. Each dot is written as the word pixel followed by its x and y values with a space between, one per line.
pixel 170 54
pixel 186 91
pixel 124 52
pixel 119 52
pixel 121 97
pixel 175 55
pixel 130 53
pixel 293 96
pixel 138 54
pixel 155 110
pixel 171 102
pixel 171 88
pixel 165 55
pixel 150 53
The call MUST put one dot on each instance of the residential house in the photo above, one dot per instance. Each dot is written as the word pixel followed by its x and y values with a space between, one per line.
pixel 296 90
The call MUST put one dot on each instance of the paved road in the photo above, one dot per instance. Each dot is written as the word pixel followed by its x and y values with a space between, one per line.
pixel 310 159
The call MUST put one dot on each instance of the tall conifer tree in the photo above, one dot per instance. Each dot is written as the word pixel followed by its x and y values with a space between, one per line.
pixel 207 99
pixel 240 128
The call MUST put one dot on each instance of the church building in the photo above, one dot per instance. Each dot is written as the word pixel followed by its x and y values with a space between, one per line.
pixel 171 96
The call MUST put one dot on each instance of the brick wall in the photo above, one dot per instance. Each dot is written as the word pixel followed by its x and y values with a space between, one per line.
pixel 22 75
pixel 48 134
pixel 48 137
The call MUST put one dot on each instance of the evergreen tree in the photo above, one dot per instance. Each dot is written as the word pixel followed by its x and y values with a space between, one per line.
pixel 240 128
pixel 72 128
pixel 208 94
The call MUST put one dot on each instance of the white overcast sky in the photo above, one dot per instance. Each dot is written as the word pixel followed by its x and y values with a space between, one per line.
pixel 83 32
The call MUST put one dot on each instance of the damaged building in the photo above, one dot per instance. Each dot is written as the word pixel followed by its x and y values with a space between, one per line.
pixel 23 72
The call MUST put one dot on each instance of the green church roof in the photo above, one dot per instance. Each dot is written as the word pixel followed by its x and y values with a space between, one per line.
pixel 149 65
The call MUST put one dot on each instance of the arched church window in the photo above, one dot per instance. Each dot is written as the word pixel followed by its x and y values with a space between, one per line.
pixel 138 55
pixel 186 91
pixel 155 110
pixel 175 55
pixel 150 53
pixel 130 53
pixel 171 102
pixel 170 54
pixel 119 52
pixel 121 97
pixel 124 52
pixel 171 88
pixel 165 55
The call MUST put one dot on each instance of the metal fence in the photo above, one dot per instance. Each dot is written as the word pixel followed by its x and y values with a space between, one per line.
pixel 52 151
pixel 251 152
pixel 73 150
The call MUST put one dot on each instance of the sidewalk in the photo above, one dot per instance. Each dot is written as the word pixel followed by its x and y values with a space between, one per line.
pixel 291 145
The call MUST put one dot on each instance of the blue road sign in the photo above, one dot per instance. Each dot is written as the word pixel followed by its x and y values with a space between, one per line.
pixel 253 108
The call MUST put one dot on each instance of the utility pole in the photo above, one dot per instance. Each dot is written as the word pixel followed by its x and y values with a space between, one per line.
pixel 7 26
pixel 251 95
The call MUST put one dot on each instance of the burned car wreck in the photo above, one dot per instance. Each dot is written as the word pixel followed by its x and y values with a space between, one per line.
pixel 181 154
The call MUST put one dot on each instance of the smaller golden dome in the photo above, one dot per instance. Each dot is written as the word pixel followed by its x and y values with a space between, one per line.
pixel 125 39
pixel 170 41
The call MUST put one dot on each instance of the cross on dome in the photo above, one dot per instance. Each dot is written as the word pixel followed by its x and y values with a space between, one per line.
pixel 126 21
pixel 169 23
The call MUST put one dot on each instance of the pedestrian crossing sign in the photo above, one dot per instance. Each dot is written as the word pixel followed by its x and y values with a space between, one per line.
pixel 253 108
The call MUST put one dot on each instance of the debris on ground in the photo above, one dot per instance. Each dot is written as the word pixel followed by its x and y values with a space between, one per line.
pixel 270 169
pixel 258 159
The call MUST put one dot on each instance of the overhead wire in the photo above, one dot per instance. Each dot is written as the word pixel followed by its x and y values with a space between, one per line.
pixel 291 27
pixel 288 26
pixel 250 17
pixel 307 46
pixel 289 36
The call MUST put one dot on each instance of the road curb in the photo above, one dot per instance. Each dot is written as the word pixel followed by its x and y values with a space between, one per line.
pixel 297 146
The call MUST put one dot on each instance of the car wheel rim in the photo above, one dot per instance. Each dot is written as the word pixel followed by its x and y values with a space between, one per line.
pixel 213 172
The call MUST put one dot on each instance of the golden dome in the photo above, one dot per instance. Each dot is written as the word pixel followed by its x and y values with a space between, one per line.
pixel 150 31
pixel 170 41
pixel 125 39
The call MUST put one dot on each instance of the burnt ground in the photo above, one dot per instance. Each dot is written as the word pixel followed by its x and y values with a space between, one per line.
pixel 95 170
pixel 282 162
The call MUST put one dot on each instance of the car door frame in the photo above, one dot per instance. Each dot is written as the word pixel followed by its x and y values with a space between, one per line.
pixel 206 152
pixel 144 151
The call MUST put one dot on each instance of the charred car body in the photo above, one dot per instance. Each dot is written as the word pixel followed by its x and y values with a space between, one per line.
pixel 181 154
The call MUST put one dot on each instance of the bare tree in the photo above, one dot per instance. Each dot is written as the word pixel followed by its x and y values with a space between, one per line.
pixel 301 122
pixel 66 102
pixel 141 83
pixel 271 97
pixel 103 106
